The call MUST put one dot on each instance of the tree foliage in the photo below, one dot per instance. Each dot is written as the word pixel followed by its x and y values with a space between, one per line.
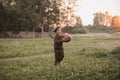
pixel 17 15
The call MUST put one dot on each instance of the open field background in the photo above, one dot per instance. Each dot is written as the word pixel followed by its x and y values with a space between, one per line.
pixel 87 57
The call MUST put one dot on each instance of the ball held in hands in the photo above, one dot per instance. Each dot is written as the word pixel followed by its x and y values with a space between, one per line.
pixel 66 37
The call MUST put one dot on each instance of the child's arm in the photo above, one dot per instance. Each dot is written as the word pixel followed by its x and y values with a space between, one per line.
pixel 58 40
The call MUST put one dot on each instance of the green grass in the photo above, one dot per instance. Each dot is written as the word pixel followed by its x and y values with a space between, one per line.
pixel 86 58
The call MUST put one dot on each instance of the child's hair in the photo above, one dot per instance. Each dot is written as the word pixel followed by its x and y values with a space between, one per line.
pixel 56 29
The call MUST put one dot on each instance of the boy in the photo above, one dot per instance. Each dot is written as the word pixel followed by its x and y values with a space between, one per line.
pixel 58 46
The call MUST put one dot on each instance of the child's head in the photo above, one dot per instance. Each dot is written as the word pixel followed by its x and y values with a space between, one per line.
pixel 57 31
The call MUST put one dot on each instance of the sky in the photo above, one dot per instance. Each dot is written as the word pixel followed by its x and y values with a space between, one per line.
pixel 86 8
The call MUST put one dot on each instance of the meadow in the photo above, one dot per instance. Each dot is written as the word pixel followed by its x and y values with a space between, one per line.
pixel 86 58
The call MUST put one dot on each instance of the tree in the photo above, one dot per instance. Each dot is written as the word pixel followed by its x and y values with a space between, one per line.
pixel 27 14
pixel 67 16
pixel 102 19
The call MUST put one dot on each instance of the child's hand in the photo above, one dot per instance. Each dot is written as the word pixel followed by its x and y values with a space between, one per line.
pixel 63 39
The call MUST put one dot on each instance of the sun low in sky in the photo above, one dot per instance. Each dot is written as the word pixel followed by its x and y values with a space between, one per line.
pixel 86 8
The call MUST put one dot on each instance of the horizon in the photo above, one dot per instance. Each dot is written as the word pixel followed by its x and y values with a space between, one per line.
pixel 86 8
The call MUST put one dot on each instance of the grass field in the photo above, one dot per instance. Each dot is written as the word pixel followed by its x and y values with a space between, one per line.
pixel 86 58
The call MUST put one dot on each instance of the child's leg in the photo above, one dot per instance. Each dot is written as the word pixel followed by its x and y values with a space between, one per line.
pixel 61 55
pixel 56 57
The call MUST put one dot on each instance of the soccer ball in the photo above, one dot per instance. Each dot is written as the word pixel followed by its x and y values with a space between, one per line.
pixel 67 37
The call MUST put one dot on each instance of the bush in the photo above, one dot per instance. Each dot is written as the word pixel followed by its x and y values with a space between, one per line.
pixel 100 29
pixel 116 52
pixel 75 29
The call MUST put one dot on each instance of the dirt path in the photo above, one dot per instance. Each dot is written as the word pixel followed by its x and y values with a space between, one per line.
pixel 29 57
pixel 107 35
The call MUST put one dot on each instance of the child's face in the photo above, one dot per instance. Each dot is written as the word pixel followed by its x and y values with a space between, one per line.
pixel 58 32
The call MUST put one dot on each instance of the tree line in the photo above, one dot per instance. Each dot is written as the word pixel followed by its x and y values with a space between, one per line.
pixel 27 15
pixel 41 15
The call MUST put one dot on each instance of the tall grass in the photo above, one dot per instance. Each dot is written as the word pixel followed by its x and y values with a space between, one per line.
pixel 86 58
